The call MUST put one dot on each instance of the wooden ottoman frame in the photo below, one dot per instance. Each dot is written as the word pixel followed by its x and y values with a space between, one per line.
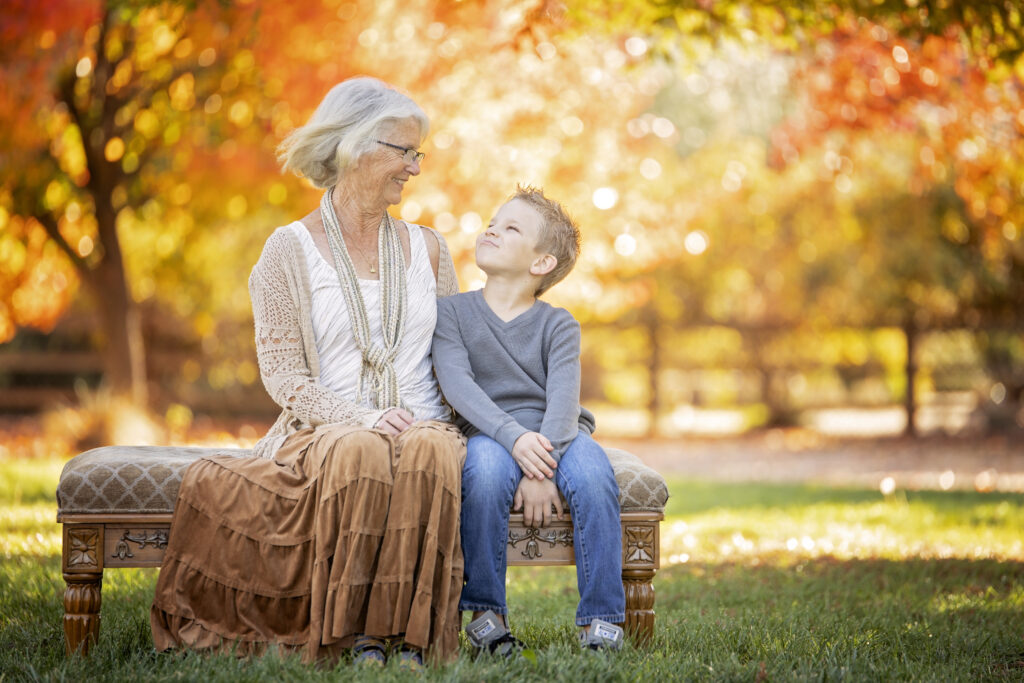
pixel 94 542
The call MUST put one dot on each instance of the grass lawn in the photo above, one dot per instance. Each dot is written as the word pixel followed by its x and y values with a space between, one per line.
pixel 758 582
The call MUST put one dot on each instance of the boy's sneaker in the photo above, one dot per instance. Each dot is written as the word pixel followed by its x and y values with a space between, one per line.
pixel 487 634
pixel 602 636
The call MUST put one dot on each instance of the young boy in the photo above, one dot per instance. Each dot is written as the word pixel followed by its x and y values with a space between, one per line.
pixel 509 366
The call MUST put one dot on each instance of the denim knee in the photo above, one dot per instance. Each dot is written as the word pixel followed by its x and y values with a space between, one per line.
pixel 585 469
pixel 490 475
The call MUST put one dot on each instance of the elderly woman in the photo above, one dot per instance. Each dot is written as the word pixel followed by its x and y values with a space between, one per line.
pixel 344 531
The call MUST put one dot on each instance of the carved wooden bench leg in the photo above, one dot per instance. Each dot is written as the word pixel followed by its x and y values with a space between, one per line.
pixel 82 599
pixel 82 560
pixel 641 547
pixel 639 604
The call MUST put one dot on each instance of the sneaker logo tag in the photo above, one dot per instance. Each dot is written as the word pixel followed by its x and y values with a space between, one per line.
pixel 604 632
pixel 479 632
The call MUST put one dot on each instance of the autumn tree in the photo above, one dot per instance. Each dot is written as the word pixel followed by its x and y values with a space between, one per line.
pixel 140 150
pixel 904 115
pixel 947 239
pixel 101 128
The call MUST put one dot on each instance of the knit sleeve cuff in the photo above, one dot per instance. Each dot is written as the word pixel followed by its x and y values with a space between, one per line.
pixel 371 418
pixel 508 434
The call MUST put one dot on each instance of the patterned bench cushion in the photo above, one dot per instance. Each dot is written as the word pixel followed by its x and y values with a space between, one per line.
pixel 128 479
pixel 640 487
pixel 145 479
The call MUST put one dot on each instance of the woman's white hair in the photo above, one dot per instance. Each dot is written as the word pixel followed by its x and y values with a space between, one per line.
pixel 344 127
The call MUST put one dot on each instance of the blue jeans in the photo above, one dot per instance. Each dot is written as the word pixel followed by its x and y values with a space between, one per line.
pixel 584 476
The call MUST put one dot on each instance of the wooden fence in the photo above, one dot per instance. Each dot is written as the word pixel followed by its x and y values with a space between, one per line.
pixel 34 374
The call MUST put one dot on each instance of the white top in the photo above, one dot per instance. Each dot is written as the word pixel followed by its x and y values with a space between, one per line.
pixel 340 358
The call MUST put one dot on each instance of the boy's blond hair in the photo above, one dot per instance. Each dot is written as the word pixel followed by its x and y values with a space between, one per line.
pixel 559 234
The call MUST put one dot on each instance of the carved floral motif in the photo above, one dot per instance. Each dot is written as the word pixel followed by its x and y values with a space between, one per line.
pixel 83 547
pixel 531 535
pixel 157 539
pixel 639 544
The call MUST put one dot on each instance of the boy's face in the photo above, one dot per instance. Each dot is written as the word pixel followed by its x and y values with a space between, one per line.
pixel 509 244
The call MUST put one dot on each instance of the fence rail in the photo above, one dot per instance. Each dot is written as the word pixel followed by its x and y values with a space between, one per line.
pixel 31 380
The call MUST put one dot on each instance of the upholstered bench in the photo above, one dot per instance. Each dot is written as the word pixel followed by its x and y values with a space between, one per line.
pixel 115 505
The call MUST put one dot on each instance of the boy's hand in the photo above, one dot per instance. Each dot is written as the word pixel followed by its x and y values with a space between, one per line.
pixel 531 453
pixel 535 497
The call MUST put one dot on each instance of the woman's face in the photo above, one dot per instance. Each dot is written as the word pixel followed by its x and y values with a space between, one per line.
pixel 384 171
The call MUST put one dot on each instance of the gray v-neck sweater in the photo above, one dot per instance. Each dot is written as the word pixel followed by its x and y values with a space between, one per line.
pixel 507 378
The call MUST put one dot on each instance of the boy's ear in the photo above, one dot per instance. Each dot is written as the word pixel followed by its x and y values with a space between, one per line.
pixel 543 265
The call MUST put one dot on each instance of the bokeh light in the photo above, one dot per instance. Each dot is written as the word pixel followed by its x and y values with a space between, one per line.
pixel 605 198
pixel 696 242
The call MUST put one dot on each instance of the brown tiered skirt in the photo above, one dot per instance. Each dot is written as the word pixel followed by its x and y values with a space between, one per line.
pixel 345 531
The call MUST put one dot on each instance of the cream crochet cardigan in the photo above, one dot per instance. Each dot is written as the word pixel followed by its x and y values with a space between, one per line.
pixel 285 346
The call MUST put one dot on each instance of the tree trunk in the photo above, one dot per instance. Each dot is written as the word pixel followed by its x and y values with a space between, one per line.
pixel 124 350
pixel 124 361
pixel 773 400
pixel 910 395
pixel 654 400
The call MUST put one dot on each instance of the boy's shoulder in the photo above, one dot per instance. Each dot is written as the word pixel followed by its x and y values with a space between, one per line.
pixel 457 301
pixel 555 313
pixel 457 307
pixel 555 323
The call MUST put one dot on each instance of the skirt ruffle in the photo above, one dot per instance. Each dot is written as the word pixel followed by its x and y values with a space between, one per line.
pixel 345 531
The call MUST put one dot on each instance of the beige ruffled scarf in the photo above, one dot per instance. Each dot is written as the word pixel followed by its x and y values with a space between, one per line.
pixel 378 381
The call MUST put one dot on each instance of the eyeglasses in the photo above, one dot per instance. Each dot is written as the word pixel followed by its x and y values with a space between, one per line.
pixel 409 154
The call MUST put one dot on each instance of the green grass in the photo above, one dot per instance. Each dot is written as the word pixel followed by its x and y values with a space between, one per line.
pixel 758 582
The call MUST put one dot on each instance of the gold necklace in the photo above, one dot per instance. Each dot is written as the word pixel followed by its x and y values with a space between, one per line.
pixel 369 264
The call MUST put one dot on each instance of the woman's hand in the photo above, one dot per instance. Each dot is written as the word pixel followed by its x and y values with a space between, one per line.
pixel 531 452
pixel 394 421
pixel 535 498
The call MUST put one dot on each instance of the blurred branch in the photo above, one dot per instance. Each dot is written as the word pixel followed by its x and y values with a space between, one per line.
pixel 994 28
pixel 53 230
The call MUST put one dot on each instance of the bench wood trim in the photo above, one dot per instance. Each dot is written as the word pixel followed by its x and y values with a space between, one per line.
pixel 147 519
pixel 94 542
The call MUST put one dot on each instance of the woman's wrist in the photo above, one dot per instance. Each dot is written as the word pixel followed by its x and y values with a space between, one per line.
pixel 373 419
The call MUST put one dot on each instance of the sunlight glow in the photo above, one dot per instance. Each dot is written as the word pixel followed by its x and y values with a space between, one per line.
pixel 85 246
pixel 636 46
pixel 445 221
pixel 547 51
pixel 411 211
pixel 625 244
pixel 696 242
pixel 571 125
pixel 605 198
pixel 114 149
pixel 650 168
pixel 662 127
pixel 470 223
pixel 368 37
pixel 638 127
pixel 731 182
